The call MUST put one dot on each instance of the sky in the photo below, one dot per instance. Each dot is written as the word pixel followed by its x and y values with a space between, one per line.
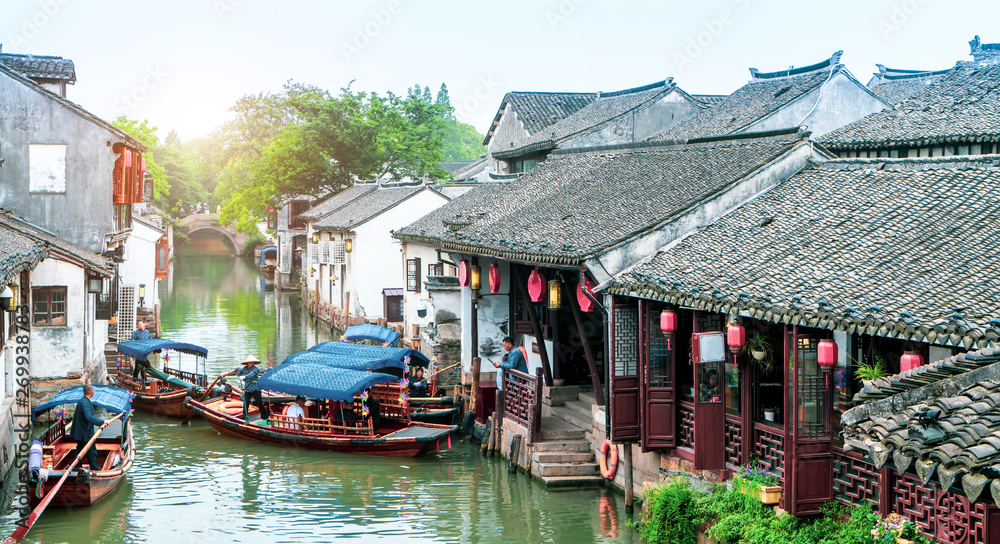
pixel 181 64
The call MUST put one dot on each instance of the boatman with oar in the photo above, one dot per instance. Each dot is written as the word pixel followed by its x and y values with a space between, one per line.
pixel 250 373
pixel 84 421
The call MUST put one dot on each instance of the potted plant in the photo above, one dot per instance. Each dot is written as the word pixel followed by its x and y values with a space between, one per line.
pixel 754 480
pixel 759 347
pixel 895 529
pixel 769 414
pixel 867 372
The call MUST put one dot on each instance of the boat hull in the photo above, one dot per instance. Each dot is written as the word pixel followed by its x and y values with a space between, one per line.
pixel 169 403
pixel 385 445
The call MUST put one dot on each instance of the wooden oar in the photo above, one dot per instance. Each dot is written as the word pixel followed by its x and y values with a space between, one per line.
pixel 207 391
pixel 435 373
pixel 22 530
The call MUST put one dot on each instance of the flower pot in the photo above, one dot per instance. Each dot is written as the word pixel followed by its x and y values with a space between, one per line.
pixel 758 354
pixel 903 541
pixel 770 494
pixel 768 415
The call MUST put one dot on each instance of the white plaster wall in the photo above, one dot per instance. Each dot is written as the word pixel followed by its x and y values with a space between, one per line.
pixel 140 265
pixel 411 300
pixel 377 261
pixel 509 129
pixel 56 351
pixel 837 103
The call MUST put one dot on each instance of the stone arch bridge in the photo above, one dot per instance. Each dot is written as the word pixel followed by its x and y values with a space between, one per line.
pixel 210 238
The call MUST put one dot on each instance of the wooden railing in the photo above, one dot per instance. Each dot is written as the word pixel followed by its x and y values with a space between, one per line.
pixel 387 395
pixel 308 425
pixel 54 431
pixel 518 395
pixel 190 377
pixel 125 378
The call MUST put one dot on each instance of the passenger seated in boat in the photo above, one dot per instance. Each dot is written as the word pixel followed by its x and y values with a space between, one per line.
pixel 373 408
pixel 296 412
pixel 418 385
pixel 339 413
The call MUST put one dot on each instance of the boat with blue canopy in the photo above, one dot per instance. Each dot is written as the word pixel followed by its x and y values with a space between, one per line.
pixel 368 332
pixel 359 356
pixel 161 391
pixel 52 452
pixel 349 412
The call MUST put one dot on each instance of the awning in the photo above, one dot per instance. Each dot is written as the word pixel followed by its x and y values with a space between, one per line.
pixel 364 357
pixel 318 381
pixel 367 331
pixel 140 349
pixel 393 292
pixel 110 398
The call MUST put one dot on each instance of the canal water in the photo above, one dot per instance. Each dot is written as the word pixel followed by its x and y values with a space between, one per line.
pixel 194 485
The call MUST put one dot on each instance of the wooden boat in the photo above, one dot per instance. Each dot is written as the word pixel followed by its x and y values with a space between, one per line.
pixel 344 419
pixel 160 392
pixel 268 261
pixel 115 452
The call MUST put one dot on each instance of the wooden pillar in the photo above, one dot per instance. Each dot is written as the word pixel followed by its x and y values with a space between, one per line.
pixel 536 410
pixel 556 319
pixel 474 392
pixel 535 326
pixel 885 484
pixel 515 452
pixel 595 378
pixel 629 500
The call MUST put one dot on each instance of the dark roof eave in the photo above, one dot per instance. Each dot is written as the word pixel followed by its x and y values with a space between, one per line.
pixel 531 148
pixel 891 143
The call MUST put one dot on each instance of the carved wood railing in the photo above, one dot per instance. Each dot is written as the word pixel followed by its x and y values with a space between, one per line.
pixel 535 429
pixel 190 377
pixel 390 405
pixel 685 419
pixel 769 447
pixel 519 395
pixel 308 425
pixel 734 440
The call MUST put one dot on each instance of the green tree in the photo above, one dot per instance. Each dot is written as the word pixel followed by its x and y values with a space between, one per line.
pixel 462 142
pixel 146 135
pixel 444 101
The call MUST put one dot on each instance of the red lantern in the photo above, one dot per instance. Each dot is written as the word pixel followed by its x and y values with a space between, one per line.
pixel 910 360
pixel 494 278
pixel 128 158
pixel 586 304
pixel 536 286
pixel 736 336
pixel 142 164
pixel 826 355
pixel 668 321
pixel 463 273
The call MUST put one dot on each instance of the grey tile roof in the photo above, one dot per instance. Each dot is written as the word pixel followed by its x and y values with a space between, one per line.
pixel 537 110
pixel 40 66
pixel 365 207
pixel 894 86
pixel 606 107
pixel 72 106
pixel 433 227
pixel 454 166
pixel 17 254
pixel 888 247
pixel 470 170
pixel 54 244
pixel 948 429
pixel 961 106
pixel 337 201
pixel 762 96
pixel 579 203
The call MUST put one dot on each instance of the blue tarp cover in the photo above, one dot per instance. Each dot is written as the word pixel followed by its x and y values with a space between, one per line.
pixel 140 349
pixel 110 398
pixel 318 381
pixel 368 331
pixel 360 356
pixel 266 251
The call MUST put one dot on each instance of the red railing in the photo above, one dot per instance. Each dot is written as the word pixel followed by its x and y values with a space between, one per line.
pixel 518 396
pixel 54 431
pixel 685 418
pixel 734 440
pixel 769 447
pixel 855 480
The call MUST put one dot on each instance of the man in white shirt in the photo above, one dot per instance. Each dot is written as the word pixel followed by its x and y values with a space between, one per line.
pixel 296 411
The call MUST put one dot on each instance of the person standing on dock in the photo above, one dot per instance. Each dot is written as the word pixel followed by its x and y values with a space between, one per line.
pixel 514 358
pixel 141 333
pixel 250 373
pixel 84 421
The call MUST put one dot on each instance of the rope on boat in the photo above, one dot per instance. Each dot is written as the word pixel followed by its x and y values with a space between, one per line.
pixel 43 475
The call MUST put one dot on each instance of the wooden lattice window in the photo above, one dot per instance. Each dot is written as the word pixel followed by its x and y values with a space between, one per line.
pixel 413 275
pixel 435 269
pixel 49 306
pixel 297 208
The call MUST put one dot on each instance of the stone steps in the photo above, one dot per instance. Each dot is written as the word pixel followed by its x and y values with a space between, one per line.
pixel 567 469
pixel 557 446
pixel 573 417
pixel 559 483
pixel 565 457
pixel 554 428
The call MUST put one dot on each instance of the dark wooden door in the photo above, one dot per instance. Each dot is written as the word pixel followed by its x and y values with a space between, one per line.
pixel 811 444
pixel 658 392
pixel 624 405
pixel 708 350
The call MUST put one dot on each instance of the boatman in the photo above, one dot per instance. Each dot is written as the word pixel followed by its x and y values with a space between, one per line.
pixel 83 426
pixel 250 373
pixel 141 333
pixel 140 366
pixel 514 358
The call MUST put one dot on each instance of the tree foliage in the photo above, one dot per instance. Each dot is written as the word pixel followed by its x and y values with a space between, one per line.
pixel 146 135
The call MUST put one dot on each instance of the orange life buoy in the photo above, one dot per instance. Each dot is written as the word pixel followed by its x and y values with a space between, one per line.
pixel 231 407
pixel 608 459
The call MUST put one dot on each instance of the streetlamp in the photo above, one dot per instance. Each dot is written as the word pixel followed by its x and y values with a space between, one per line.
pixel 142 295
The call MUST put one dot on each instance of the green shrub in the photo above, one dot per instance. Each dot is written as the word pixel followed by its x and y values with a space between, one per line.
pixel 671 514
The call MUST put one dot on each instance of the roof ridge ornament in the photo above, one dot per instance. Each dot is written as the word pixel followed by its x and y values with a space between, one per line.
pixel 984 51
pixel 832 62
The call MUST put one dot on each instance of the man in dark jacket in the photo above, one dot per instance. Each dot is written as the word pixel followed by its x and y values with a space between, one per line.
pixel 83 426
pixel 250 373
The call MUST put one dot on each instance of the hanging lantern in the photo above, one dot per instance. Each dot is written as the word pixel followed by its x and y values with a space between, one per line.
pixel 826 355
pixel 128 158
pixel 475 278
pixel 494 278
pixel 586 304
pixel 463 273
pixel 668 321
pixel 910 360
pixel 348 245
pixel 536 286
pixel 555 294
pixel 736 336
pixel 315 237
pixel 142 164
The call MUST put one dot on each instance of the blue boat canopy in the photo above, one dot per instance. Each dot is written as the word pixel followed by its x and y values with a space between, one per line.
pixel 371 332
pixel 110 398
pixel 318 381
pixel 268 251
pixel 140 349
pixel 363 357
